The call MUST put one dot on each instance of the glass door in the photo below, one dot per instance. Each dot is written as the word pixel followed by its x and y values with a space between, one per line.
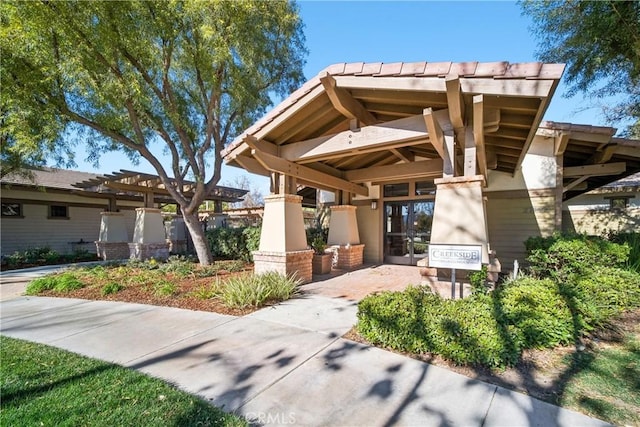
pixel 407 231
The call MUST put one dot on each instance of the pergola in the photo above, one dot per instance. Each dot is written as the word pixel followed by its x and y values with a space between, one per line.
pixel 152 188
pixel 358 125
pixel 149 238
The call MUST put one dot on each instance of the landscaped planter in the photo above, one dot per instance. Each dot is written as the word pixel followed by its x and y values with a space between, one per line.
pixel 321 264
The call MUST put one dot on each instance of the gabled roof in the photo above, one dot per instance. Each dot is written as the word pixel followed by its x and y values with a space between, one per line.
pixel 365 99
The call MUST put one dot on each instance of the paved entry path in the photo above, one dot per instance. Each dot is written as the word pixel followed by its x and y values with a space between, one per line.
pixel 283 365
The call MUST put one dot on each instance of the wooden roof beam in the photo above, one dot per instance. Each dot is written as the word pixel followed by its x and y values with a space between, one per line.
pixel 561 143
pixel 346 104
pixel 455 101
pixel 283 166
pixel 442 143
pixel 401 132
pixel 419 169
pixel 403 154
pixel 602 169
pixel 478 133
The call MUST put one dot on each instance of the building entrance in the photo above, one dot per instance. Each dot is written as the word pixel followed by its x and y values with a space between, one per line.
pixel 407 231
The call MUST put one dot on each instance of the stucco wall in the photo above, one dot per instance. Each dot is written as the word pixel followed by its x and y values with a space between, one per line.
pixel 35 229
pixel 591 214
pixel 370 230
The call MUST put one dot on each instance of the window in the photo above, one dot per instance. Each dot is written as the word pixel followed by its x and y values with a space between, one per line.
pixel 396 190
pixel 58 212
pixel 12 210
pixel 425 188
pixel 618 203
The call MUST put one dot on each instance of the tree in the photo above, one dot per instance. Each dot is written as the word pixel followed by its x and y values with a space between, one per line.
pixel 253 198
pixel 184 75
pixel 600 43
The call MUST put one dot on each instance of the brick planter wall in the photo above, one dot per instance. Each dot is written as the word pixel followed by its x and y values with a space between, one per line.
pixel 144 251
pixel 349 256
pixel 288 263
pixel 108 251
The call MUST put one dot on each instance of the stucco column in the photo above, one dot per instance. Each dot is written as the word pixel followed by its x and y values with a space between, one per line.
pixel 112 227
pixel 113 240
pixel 283 240
pixel 344 237
pixel 149 236
pixel 343 226
pixel 459 216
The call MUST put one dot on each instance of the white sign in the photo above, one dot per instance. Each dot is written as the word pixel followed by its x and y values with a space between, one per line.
pixel 463 257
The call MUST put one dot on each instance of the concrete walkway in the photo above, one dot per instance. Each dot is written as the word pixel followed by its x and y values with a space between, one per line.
pixel 280 365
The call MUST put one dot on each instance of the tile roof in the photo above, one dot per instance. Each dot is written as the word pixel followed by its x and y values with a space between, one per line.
pixel 473 69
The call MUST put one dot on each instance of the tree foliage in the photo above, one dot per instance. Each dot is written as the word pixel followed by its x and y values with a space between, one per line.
pixel 133 75
pixel 600 43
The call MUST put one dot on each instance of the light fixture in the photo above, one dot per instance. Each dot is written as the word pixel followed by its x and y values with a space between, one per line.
pixel 374 205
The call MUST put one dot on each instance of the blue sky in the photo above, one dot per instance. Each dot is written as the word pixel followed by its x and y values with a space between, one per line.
pixel 433 31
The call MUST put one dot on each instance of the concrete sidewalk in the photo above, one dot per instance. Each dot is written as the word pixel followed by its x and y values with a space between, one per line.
pixel 280 365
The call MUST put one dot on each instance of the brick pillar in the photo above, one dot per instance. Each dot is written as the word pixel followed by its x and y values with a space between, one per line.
pixel 113 241
pixel 283 240
pixel 149 237
pixel 344 237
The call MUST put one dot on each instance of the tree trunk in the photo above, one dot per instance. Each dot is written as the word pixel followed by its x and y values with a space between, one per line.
pixel 200 243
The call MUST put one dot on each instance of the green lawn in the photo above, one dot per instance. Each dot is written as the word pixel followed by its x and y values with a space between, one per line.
pixel 607 385
pixel 41 385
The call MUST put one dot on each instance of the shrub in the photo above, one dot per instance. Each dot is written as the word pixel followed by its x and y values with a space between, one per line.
pixel 537 311
pixel 560 256
pixel 464 331
pixel 234 243
pixel 604 294
pixel 181 266
pixel 112 288
pixel 478 281
pixel 633 241
pixel 64 282
pixel 207 292
pixel 251 290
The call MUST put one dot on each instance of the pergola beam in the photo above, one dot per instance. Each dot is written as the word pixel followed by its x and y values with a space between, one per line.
pixel 442 143
pixel 561 143
pixel 307 174
pixel 345 103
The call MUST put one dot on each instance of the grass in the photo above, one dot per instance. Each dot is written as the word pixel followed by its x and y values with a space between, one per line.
pixel 607 384
pixel 42 385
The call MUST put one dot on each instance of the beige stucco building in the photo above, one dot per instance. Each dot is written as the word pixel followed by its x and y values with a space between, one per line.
pixel 416 155
pixel 117 216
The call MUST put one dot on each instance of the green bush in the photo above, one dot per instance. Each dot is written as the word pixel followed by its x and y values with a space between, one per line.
pixel 633 241
pixel 560 256
pixel 478 281
pixel 464 331
pixel 251 290
pixel 233 243
pixel 604 294
pixel 64 282
pixel 537 311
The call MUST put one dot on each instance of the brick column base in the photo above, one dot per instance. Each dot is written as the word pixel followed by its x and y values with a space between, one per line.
pixel 108 251
pixel 144 251
pixel 287 263
pixel 349 256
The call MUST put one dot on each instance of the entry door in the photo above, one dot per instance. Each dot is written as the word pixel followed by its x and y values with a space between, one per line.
pixel 407 231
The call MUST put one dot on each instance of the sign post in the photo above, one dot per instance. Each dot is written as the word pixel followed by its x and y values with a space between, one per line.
pixel 463 257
